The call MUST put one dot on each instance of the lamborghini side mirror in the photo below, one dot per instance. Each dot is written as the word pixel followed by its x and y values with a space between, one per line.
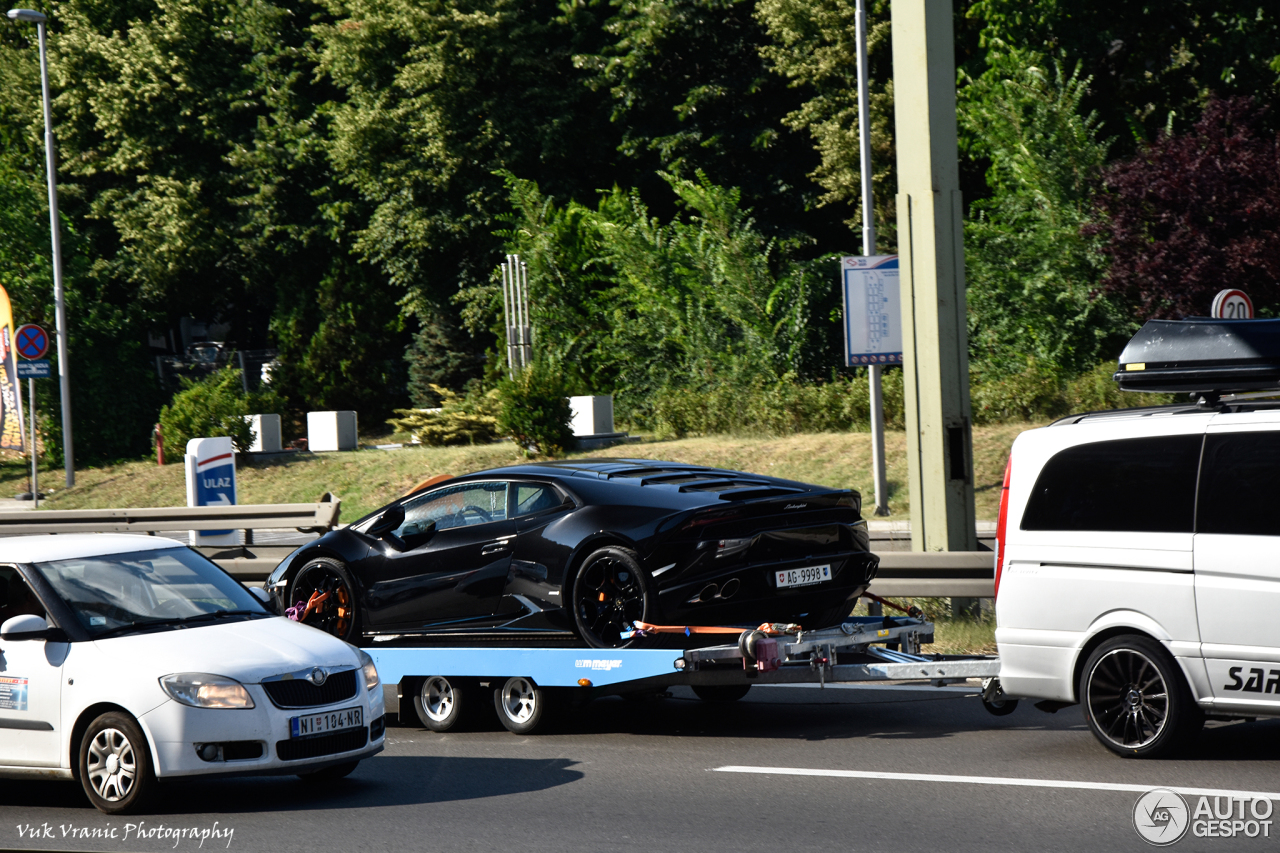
pixel 387 522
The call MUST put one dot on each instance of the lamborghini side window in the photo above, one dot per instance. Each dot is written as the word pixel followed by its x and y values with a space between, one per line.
pixel 534 497
pixel 454 506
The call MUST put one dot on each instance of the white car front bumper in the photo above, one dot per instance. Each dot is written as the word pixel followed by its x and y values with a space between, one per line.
pixel 256 741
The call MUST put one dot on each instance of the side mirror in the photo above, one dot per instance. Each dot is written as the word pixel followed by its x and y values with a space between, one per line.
pixel 268 601
pixel 26 627
pixel 387 522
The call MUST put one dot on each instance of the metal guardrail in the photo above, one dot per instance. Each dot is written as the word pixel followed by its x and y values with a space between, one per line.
pixel 967 574
pixel 943 574
pixel 248 562
pixel 309 518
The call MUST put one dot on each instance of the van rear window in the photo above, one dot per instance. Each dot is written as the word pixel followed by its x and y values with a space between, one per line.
pixel 1135 484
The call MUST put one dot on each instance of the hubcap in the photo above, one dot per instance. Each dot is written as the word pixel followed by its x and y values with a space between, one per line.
pixel 111 766
pixel 518 699
pixel 438 699
pixel 1128 698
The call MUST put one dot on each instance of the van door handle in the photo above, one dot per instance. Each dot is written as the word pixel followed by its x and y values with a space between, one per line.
pixel 496 547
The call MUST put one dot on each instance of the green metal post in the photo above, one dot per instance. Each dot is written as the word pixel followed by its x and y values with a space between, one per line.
pixel 931 259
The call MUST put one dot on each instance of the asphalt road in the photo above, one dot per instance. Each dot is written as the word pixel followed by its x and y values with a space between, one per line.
pixel 645 776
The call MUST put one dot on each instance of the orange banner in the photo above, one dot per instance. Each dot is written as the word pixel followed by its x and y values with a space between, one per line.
pixel 10 399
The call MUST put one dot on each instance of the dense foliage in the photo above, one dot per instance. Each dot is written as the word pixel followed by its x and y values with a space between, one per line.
pixel 338 179
pixel 1195 212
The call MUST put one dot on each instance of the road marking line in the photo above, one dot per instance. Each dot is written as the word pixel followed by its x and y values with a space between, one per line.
pixel 992 780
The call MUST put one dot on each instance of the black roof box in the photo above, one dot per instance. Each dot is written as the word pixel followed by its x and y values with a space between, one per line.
pixel 1202 355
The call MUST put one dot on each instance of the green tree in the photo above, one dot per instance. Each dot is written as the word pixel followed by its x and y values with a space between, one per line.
pixel 625 303
pixel 1153 65
pixel 437 96
pixel 199 177
pixel 1031 274
pixel 692 93
pixel 814 45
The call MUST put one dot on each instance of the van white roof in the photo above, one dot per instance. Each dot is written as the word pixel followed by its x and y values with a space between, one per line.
pixel 42 548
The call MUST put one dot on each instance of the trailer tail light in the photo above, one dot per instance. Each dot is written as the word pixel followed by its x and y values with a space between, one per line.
pixel 1002 523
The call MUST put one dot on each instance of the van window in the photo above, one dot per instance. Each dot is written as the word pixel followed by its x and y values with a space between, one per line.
pixel 1134 484
pixel 1240 486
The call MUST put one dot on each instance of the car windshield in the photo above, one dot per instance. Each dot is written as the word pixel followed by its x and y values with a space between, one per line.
pixel 115 593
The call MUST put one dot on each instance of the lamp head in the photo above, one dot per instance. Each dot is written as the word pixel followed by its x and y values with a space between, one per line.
pixel 26 15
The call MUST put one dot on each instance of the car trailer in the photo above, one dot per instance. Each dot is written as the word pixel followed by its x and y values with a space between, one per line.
pixel 527 685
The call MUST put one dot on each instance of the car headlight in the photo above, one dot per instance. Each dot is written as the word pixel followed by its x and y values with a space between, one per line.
pixel 204 690
pixel 371 679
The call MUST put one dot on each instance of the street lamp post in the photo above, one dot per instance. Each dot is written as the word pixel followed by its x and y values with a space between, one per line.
pixel 64 379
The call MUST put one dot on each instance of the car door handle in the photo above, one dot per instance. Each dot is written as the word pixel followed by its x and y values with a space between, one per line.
pixel 496 547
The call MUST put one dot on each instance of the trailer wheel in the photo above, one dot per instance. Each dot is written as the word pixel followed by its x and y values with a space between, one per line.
pixel 1135 699
pixel 522 705
pixel 440 703
pixel 720 692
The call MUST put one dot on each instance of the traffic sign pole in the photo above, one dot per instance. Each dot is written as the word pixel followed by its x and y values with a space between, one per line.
pixel 35 458
pixel 32 342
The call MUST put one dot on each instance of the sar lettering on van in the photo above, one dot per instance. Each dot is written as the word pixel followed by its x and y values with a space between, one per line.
pixel 1256 682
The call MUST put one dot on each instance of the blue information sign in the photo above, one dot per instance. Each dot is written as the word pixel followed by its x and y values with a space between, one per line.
pixel 872 310
pixel 37 369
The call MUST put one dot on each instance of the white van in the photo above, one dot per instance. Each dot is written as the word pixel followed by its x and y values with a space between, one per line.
pixel 1138 552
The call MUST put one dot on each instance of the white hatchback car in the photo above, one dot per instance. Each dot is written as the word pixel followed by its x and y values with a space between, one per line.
pixel 129 659
pixel 1138 552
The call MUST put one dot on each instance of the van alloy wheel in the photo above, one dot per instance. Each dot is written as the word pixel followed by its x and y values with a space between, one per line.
pixel 1135 698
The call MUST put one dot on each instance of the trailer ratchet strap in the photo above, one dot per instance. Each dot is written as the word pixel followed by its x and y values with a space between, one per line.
pixel 641 629
pixel 913 611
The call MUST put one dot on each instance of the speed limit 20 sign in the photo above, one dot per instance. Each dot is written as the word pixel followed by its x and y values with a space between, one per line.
pixel 1232 304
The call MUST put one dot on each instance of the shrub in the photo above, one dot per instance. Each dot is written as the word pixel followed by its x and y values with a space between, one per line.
pixel 1036 393
pixel 535 411
pixel 214 406
pixel 458 420
pixel 775 408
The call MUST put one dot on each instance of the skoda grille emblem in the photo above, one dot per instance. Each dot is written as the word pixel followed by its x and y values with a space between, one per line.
pixel 318 676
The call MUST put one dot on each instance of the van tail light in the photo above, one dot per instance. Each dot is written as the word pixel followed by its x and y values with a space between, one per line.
pixel 1002 522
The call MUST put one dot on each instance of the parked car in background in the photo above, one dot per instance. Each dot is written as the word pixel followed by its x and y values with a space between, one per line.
pixel 577 551
pixel 129 660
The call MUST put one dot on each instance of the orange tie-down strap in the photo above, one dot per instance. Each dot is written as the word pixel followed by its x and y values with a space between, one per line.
pixel 772 629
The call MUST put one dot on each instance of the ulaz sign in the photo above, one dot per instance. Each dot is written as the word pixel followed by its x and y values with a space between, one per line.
pixel 211 481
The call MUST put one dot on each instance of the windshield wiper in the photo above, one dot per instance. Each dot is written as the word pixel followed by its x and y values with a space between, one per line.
pixel 185 620
pixel 138 626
